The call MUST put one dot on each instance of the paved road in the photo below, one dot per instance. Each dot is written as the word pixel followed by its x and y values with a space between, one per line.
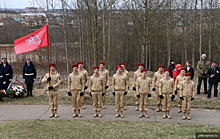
pixel 42 112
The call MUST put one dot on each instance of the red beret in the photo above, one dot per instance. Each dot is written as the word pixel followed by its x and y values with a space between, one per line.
pixel 80 62
pixel 101 63
pixel 143 70
pixel 188 73
pixel 52 65
pixel 140 64
pixel 178 66
pixel 96 67
pixel 75 65
pixel 160 66
pixel 121 63
pixel 183 68
pixel 119 66
pixel 167 70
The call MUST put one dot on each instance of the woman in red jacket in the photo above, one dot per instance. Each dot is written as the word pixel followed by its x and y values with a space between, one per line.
pixel 176 71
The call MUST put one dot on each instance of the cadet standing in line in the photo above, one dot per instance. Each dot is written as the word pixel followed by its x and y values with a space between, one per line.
pixel 157 76
pixel 76 88
pixel 86 79
pixel 97 87
pixel 53 82
pixel 143 92
pixel 179 79
pixel 120 88
pixel 166 91
pixel 127 74
pixel 29 75
pixel 105 74
pixel 187 92
pixel 137 74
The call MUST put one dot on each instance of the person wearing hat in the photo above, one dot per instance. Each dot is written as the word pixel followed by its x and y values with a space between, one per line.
pixel 155 84
pixel 7 73
pixel 120 89
pixel 127 74
pixel 53 81
pixel 179 79
pixel 214 74
pixel 189 68
pixel 86 80
pixel 97 87
pixel 143 92
pixel 137 74
pixel 171 67
pixel 187 91
pixel 1 82
pixel 75 89
pixel 166 92
pixel 176 71
pixel 202 67
pixel 105 74
pixel 29 75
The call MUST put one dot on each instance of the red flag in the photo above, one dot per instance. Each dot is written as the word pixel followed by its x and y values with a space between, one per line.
pixel 32 41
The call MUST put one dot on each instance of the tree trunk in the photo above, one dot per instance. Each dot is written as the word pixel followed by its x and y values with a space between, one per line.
pixel 200 42
pixel 109 37
pixel 65 39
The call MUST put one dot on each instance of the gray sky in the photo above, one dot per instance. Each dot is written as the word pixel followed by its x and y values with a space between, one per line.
pixel 15 3
pixel 29 3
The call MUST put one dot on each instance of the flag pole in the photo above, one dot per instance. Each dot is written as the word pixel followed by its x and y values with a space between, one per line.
pixel 48 48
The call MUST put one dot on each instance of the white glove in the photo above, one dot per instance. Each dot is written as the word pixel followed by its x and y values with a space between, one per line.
pixel 34 79
pixel 4 82
pixel 9 79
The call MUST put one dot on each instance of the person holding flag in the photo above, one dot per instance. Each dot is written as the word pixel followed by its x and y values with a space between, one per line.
pixel 29 75
pixel 53 81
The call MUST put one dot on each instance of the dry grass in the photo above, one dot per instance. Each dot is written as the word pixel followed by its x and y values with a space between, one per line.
pixel 99 129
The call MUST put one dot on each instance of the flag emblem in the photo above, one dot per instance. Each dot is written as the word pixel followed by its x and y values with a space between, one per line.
pixel 33 39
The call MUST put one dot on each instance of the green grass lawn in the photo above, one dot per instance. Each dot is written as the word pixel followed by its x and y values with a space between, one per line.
pixel 96 129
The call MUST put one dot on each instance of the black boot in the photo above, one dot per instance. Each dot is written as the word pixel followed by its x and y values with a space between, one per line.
pixel 27 94
pixel 1 98
pixel 31 93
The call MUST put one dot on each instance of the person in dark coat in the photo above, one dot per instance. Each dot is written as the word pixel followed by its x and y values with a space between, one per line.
pixel 213 73
pixel 171 67
pixel 29 75
pixel 189 68
pixel 1 81
pixel 7 73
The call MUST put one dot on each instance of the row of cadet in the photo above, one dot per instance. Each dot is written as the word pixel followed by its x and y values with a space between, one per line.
pixel 163 85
